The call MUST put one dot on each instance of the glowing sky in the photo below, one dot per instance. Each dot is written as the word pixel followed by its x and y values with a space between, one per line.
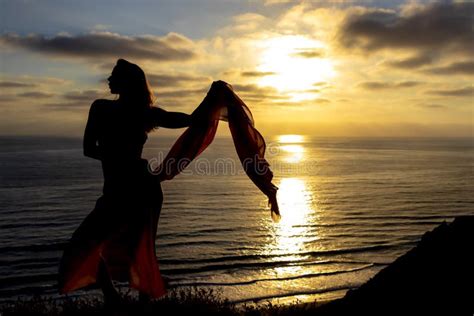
pixel 324 68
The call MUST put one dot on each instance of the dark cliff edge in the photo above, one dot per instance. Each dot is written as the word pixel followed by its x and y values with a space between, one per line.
pixel 434 278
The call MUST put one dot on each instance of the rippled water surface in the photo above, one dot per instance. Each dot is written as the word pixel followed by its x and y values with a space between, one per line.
pixel 349 207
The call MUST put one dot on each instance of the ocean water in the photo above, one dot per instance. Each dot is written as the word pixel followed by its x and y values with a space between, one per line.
pixel 349 206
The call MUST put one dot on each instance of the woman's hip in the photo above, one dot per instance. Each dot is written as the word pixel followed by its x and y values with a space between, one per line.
pixel 132 180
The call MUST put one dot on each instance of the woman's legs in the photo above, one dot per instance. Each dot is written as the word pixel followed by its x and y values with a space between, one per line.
pixel 111 296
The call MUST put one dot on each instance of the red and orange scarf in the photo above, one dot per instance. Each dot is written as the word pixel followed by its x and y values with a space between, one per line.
pixel 221 103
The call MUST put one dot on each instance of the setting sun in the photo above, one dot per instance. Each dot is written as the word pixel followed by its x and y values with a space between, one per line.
pixel 296 63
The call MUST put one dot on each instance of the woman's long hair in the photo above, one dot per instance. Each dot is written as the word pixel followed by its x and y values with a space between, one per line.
pixel 135 89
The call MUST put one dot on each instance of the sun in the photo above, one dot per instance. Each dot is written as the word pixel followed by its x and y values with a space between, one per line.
pixel 295 64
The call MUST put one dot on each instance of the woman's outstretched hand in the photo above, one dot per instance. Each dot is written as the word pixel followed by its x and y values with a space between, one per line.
pixel 202 114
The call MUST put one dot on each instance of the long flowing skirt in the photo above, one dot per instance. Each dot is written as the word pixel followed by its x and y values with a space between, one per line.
pixel 121 231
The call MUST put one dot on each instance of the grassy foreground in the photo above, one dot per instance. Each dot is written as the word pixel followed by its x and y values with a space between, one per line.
pixel 195 301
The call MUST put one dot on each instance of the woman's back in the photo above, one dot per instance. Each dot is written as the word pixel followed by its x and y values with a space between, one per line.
pixel 120 137
pixel 121 134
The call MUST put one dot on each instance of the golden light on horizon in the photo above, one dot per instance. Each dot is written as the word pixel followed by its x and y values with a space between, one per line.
pixel 296 63
pixel 291 138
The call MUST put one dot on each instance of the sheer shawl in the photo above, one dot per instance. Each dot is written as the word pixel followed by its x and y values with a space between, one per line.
pixel 221 103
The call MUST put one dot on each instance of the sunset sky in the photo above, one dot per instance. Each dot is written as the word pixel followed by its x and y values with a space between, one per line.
pixel 323 68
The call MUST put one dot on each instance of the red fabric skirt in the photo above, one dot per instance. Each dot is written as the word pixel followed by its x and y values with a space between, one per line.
pixel 121 230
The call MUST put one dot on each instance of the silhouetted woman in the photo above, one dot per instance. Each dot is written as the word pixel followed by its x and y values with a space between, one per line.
pixel 117 239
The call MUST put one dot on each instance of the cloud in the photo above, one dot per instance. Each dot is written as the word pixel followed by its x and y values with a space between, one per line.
pixel 67 106
pixel 101 27
pixel 381 85
pixel 16 84
pixel 247 73
pixel 320 84
pixel 462 92
pixel 318 2
pixel 301 104
pixel 431 106
pixel 457 68
pixel 247 22
pixel 258 94
pixel 246 88
pixel 256 73
pixel 7 98
pixel 273 2
pixel 407 84
pixel 84 96
pixel 411 62
pixel 442 26
pixel 181 93
pixel 168 80
pixel 313 90
pixel 321 101
pixel 171 47
pixel 36 95
pixel 77 100
pixel 309 53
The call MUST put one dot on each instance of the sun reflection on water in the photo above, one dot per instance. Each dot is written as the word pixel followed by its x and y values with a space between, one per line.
pixel 292 236
pixel 295 205
pixel 290 241
pixel 291 233
pixel 291 147
pixel 293 153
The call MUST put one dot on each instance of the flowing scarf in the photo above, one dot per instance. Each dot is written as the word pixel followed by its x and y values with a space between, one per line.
pixel 221 103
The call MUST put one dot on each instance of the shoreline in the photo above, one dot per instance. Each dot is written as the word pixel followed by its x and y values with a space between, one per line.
pixel 430 278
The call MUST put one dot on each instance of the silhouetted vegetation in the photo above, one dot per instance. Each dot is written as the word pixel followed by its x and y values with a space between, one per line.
pixel 194 301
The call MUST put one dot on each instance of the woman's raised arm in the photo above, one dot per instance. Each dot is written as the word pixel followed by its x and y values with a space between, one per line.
pixel 163 118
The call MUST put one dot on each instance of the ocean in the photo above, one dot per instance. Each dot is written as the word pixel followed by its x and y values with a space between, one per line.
pixel 350 206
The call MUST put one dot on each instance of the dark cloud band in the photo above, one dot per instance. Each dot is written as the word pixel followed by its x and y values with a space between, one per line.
pixel 462 92
pixel 380 85
pixel 170 80
pixel 457 68
pixel 172 47
pixel 411 62
pixel 16 84
pixel 444 26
